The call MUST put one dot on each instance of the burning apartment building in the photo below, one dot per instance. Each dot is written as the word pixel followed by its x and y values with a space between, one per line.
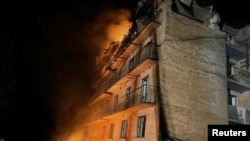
pixel 168 78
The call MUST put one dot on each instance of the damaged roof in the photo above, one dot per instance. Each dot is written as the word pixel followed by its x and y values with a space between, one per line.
pixel 233 13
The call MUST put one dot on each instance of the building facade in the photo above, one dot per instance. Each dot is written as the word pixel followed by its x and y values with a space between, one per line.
pixel 124 103
pixel 238 74
pixel 167 80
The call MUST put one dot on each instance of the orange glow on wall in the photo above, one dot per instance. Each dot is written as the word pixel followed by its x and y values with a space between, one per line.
pixel 116 32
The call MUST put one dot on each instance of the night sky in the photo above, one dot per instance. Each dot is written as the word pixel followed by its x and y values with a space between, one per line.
pixel 47 63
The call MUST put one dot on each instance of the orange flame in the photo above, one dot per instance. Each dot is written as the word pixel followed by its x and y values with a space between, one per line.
pixel 116 32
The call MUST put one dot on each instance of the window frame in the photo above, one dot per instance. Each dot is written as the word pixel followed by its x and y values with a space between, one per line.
pixel 124 128
pixel 141 126
pixel 232 100
pixel 144 89
pixel 131 64
pixel 127 96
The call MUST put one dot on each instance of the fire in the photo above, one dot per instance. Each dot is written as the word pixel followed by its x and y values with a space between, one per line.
pixel 115 23
pixel 116 32
pixel 119 24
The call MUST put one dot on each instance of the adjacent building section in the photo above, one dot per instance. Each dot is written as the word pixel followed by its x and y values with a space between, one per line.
pixel 238 42
pixel 192 76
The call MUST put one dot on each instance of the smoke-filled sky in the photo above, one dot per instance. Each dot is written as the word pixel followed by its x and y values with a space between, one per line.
pixel 47 56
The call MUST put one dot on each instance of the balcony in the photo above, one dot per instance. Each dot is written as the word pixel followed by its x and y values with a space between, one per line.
pixel 142 27
pixel 142 60
pixel 146 57
pixel 142 98
pixel 238 52
pixel 238 79
pixel 238 114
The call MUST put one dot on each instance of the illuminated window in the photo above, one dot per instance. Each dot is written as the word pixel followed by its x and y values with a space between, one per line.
pixel 141 124
pixel 111 130
pixel 124 127
pixel 127 96
pixel 115 103
pixel 144 89
pixel 131 64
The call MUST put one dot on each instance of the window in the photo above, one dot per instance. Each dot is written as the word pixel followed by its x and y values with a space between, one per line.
pixel 141 126
pixel 124 127
pixel 111 130
pixel 233 70
pixel 115 103
pixel 127 96
pixel 131 64
pixel 144 89
pixel 232 100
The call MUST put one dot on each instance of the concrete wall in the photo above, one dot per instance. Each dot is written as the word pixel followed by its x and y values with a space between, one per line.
pixel 193 81
pixel 243 99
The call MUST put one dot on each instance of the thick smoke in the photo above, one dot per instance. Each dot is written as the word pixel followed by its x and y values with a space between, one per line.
pixel 70 61
pixel 48 62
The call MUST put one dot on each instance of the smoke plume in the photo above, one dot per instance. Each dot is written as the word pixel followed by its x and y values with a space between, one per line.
pixel 70 62
pixel 48 58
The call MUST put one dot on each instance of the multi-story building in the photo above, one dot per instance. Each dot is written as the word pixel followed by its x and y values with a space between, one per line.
pixel 125 96
pixel 238 74
pixel 167 79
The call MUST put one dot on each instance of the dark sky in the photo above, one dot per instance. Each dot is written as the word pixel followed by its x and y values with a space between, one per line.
pixel 233 12
pixel 46 54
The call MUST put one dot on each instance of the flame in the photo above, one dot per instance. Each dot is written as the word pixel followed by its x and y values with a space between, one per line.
pixel 114 23
pixel 116 32
pixel 119 24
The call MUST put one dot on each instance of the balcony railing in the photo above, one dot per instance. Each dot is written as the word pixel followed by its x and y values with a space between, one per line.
pixel 141 98
pixel 142 95
pixel 238 114
pixel 140 28
pixel 237 52
pixel 147 53
pixel 239 76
